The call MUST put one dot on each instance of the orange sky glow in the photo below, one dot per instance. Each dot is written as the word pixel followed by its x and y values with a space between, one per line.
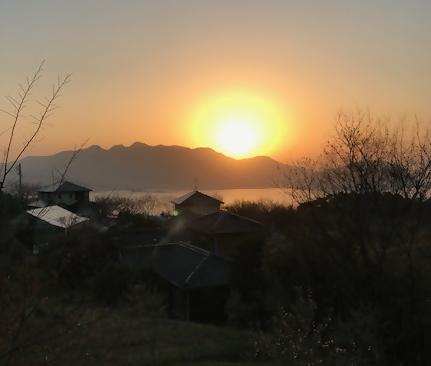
pixel 243 77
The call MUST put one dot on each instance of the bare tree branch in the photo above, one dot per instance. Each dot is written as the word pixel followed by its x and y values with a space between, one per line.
pixel 75 154
pixel 19 105
pixel 366 156
pixel 47 109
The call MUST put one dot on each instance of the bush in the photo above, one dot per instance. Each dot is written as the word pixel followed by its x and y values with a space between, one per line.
pixel 73 261
pixel 271 214
pixel 111 284
pixel 117 206
pixel 10 206
pixel 246 305
pixel 298 337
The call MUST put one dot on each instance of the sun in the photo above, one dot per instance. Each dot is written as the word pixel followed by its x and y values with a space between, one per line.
pixel 237 137
pixel 239 124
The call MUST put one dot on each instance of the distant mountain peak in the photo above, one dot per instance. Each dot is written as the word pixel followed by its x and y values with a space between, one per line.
pixel 138 144
pixel 141 167
pixel 94 148
pixel 117 147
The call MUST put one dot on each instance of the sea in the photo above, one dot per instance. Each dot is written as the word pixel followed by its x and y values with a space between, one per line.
pixel 228 196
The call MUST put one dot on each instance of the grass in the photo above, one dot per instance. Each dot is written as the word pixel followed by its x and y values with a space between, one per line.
pixel 121 338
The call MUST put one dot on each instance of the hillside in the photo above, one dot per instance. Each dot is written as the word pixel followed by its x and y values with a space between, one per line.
pixel 123 335
pixel 141 166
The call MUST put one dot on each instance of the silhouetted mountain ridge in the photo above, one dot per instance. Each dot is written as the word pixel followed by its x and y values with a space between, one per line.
pixel 141 166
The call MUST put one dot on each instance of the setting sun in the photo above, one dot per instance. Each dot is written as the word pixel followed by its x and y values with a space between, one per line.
pixel 237 137
pixel 239 124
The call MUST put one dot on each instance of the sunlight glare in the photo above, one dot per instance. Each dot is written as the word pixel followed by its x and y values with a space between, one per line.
pixel 239 124
pixel 237 137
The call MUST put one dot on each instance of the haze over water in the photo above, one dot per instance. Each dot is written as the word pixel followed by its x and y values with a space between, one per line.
pixel 228 196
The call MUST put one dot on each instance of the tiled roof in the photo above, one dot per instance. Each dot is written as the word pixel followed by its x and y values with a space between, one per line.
pixel 65 187
pixel 224 222
pixel 195 195
pixel 181 264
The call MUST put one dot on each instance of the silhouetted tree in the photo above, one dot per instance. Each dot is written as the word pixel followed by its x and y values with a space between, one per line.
pixel 18 104
pixel 365 156
pixel 361 234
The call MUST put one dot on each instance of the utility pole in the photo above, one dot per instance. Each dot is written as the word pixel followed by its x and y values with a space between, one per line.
pixel 20 180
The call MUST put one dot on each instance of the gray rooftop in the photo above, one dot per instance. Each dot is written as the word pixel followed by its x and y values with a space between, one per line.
pixel 181 264
pixel 224 222
pixel 57 216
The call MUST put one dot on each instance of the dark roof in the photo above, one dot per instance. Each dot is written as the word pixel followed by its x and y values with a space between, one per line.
pixel 181 264
pixel 65 187
pixel 224 222
pixel 195 196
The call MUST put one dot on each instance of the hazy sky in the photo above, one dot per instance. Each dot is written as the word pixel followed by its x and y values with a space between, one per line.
pixel 140 68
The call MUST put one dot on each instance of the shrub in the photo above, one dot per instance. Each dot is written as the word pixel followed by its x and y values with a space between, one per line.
pixel 298 337
pixel 111 284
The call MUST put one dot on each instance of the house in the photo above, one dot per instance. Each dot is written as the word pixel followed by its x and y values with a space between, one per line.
pixel 198 280
pixel 65 194
pixel 48 223
pixel 223 232
pixel 195 203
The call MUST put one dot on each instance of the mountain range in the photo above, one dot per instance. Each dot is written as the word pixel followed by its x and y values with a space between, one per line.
pixel 145 167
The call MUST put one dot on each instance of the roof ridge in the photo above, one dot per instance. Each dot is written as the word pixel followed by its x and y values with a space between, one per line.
pixel 193 247
pixel 190 194
pixel 240 216
pixel 57 187
pixel 188 278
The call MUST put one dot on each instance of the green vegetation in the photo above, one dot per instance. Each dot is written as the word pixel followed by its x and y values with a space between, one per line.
pixel 122 338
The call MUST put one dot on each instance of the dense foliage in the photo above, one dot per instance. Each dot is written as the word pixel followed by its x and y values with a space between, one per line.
pixel 359 241
pixel 47 299
pixel 366 256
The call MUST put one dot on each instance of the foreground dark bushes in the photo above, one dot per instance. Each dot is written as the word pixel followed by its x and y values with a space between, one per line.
pixel 366 260
pixel 344 279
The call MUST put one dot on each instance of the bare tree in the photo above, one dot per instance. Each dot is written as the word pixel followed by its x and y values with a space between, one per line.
pixel 18 105
pixel 371 216
pixel 115 205
pixel 301 180
pixel 365 156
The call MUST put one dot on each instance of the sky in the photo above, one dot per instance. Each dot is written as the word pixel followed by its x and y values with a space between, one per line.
pixel 143 70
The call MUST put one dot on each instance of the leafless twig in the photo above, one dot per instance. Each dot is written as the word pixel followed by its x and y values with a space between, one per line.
pixel 18 105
